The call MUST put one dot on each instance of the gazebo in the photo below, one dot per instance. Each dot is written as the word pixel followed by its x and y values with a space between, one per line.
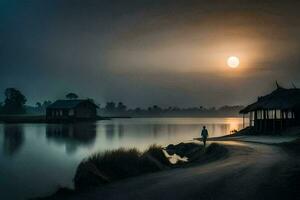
pixel 275 111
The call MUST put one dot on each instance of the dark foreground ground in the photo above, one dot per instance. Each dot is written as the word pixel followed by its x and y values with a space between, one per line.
pixel 251 171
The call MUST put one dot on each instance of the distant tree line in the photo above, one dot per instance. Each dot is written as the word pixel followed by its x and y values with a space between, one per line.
pixel 14 103
pixel 120 109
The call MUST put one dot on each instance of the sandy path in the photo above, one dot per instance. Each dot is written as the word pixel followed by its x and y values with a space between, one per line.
pixel 248 170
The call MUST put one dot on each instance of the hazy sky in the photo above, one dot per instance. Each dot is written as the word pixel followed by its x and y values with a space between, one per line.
pixel 147 52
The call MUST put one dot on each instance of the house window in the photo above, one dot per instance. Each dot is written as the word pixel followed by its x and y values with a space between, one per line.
pixel 71 112
pixel 61 113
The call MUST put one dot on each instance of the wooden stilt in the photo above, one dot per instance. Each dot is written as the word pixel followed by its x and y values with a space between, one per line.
pixel 255 120
pixel 274 121
pixel 266 120
pixel 281 118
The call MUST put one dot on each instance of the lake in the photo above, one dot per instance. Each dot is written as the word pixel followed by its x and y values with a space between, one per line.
pixel 35 159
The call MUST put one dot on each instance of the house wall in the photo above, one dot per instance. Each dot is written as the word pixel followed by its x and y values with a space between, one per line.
pixel 57 113
pixel 85 111
pixel 297 116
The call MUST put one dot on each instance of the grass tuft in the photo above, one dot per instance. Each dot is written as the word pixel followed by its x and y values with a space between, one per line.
pixel 102 168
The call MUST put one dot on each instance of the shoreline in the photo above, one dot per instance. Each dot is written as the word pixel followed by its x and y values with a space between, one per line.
pixel 38 119
pixel 237 148
pixel 211 153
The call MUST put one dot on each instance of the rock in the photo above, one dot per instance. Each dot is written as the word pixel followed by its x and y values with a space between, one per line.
pixel 183 149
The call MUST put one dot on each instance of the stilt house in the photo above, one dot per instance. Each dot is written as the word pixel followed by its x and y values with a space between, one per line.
pixel 275 111
pixel 71 110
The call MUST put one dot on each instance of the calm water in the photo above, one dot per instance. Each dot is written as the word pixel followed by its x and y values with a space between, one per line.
pixel 35 159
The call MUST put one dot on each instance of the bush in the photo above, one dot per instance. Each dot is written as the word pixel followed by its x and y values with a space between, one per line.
pixel 117 164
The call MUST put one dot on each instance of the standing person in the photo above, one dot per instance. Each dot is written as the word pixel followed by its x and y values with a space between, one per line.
pixel 204 135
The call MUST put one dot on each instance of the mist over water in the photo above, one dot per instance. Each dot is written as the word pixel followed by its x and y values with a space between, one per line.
pixel 47 155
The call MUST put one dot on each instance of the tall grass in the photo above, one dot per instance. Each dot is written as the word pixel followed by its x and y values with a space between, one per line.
pixel 109 166
pixel 118 164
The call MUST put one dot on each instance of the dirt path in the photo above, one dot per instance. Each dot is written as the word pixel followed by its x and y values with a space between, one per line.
pixel 252 171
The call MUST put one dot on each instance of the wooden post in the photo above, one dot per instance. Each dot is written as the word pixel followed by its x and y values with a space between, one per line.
pixel 261 120
pixel 254 120
pixel 294 117
pixel 265 120
pixel 284 117
pixel 287 118
pixel 281 118
pixel 269 120
pixel 274 120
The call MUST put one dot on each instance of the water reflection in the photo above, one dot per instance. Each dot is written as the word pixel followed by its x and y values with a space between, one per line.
pixel 142 132
pixel 110 131
pixel 121 130
pixel 72 135
pixel 13 139
pixel 52 152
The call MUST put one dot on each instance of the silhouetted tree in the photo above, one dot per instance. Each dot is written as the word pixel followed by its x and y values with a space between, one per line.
pixel 41 107
pixel 72 96
pixel 14 102
pixel 38 105
pixel 121 107
pixel 46 104
pixel 212 109
pixel 110 106
pixel 156 108
pixel 138 109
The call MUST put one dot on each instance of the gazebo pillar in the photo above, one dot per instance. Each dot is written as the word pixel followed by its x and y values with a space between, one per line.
pixel 265 120
pixel 261 120
pixel 286 118
pixel 255 120
pixel 281 119
pixel 274 121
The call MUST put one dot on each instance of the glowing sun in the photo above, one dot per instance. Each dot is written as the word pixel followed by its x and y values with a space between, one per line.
pixel 233 61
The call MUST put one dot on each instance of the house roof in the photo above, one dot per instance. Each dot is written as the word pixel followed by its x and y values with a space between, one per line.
pixel 69 104
pixel 281 99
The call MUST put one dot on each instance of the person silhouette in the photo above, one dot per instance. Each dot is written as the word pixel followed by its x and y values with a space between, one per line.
pixel 204 135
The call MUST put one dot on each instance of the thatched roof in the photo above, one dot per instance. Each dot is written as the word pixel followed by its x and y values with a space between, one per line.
pixel 281 99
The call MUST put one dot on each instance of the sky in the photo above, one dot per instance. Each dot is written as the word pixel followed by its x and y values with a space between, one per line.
pixel 149 52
